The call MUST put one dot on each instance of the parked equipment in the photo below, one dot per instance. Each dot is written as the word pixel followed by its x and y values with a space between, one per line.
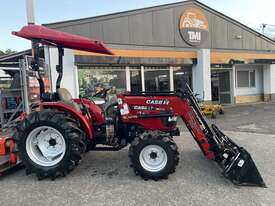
pixel 53 137
pixel 211 110
pixel 9 160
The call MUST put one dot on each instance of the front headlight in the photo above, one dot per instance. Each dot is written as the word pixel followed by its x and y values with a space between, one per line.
pixel 125 109
pixel 172 119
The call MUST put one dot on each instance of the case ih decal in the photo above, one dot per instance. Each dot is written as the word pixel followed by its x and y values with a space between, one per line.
pixel 157 101
pixel 193 27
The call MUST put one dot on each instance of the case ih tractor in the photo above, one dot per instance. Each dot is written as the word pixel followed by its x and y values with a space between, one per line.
pixel 51 140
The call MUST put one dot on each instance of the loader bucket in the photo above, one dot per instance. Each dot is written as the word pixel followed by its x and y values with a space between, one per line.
pixel 239 166
pixel 242 170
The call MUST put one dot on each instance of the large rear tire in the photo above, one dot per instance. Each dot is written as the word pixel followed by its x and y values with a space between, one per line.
pixel 153 155
pixel 50 143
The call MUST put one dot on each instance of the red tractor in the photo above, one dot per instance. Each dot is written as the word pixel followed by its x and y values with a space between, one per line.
pixel 52 138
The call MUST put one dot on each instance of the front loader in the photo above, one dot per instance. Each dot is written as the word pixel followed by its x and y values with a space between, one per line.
pixel 51 140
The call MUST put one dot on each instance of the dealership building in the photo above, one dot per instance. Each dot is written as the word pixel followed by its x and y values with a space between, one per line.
pixel 164 47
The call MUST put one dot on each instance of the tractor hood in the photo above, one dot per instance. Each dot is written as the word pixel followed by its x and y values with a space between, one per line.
pixel 58 38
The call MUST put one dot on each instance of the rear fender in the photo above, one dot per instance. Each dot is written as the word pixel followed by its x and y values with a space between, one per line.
pixel 84 121
pixel 95 111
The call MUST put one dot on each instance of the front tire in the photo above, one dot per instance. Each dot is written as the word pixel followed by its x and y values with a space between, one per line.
pixel 153 155
pixel 50 143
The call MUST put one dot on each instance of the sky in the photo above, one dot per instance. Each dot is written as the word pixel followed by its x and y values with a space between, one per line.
pixel 13 13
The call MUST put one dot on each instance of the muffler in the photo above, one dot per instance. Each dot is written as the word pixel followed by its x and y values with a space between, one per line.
pixel 237 164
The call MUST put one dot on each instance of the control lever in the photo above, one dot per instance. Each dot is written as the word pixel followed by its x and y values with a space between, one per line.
pixel 85 110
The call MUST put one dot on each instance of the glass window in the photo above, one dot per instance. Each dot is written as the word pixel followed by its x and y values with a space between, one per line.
pixel 246 78
pixel 156 79
pixel 6 81
pixel 95 79
pixel 135 78
pixel 182 75
pixel 252 78
pixel 243 78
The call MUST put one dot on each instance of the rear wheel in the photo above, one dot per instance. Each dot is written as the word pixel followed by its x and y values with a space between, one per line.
pixel 153 155
pixel 45 145
pixel 50 143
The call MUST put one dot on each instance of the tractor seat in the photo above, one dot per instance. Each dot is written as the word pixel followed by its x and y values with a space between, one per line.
pixel 66 97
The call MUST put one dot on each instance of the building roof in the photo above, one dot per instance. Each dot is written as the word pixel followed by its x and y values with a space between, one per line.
pixel 12 60
pixel 155 8
pixel 13 56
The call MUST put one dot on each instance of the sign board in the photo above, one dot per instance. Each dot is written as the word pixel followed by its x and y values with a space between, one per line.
pixel 194 27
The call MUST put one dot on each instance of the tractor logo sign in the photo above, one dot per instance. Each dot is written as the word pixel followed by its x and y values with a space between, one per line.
pixel 193 27
pixel 157 101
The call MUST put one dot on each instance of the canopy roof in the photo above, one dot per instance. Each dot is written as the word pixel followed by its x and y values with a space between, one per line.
pixel 59 38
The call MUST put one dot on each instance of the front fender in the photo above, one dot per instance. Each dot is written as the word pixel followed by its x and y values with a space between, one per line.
pixel 84 121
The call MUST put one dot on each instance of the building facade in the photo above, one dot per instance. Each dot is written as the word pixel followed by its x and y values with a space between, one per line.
pixel 164 47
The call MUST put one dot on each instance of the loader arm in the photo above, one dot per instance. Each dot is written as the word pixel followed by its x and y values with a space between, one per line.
pixel 235 162
pixel 197 130
pixel 198 126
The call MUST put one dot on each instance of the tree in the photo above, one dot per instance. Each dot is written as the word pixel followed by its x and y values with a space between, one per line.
pixel 9 51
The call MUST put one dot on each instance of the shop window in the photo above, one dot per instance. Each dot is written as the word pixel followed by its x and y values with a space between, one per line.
pixel 135 78
pixel 95 79
pixel 246 78
pixel 252 78
pixel 156 79
pixel 182 76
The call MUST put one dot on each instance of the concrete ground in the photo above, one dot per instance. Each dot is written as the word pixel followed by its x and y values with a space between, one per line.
pixel 255 118
pixel 104 178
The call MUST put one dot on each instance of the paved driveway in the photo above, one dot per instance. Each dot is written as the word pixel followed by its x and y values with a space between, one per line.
pixel 256 118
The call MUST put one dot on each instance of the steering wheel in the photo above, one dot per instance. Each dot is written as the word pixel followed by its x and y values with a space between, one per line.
pixel 102 94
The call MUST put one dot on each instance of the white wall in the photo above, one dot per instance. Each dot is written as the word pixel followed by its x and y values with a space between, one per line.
pixel 269 79
pixel 70 75
pixel 272 76
pixel 201 75
pixel 258 89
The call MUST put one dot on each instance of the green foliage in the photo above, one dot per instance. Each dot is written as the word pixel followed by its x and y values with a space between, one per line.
pixel 8 51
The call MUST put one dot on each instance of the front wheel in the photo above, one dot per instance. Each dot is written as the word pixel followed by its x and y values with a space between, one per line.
pixel 153 155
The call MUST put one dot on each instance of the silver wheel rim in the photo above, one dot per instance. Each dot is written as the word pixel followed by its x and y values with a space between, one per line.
pixel 45 146
pixel 153 158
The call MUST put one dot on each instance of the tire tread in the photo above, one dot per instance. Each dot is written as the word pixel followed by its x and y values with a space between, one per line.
pixel 72 134
pixel 157 136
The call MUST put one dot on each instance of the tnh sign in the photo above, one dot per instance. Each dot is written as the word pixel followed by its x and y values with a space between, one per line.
pixel 193 27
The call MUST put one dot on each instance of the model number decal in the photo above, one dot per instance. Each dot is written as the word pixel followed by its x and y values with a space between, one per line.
pixel 137 107
pixel 141 107
pixel 157 101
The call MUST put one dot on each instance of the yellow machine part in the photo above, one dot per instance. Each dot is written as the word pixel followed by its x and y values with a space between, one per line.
pixel 211 109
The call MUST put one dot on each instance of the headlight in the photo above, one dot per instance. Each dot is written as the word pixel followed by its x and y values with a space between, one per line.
pixel 119 101
pixel 172 119
pixel 125 109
